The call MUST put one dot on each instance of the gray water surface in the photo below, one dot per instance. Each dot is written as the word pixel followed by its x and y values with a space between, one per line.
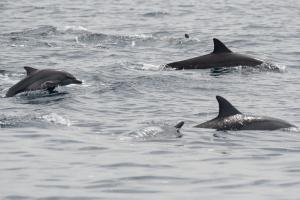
pixel 113 136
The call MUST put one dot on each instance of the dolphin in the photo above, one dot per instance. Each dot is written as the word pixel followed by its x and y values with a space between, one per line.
pixel 220 57
pixel 230 118
pixel 44 79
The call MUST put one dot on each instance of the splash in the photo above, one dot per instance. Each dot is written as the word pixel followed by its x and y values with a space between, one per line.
pixel 56 119
pixel 155 132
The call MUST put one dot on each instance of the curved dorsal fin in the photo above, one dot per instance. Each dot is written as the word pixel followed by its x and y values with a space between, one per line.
pixel 225 108
pixel 219 47
pixel 179 125
pixel 29 70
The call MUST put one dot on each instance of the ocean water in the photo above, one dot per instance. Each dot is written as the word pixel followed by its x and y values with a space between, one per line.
pixel 113 137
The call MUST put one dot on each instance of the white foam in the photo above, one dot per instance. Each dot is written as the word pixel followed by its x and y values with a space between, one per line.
pixel 75 28
pixel 56 119
pixel 151 67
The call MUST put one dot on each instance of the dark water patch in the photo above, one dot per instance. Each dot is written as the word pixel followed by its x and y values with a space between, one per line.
pixel 131 191
pixel 53 186
pixel 70 197
pixel 293 171
pixel 17 197
pixel 289 184
pixel 135 165
pixel 155 14
pixel 154 178
pixel 261 182
pixel 51 180
pixel 93 148
pixel 104 184
pixel 32 135
pixel 64 141
pixel 281 150
pixel 231 186
pixel 3 72
pixel 13 169
pixel 159 152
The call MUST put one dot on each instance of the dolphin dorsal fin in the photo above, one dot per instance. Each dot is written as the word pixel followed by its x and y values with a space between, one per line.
pixel 179 125
pixel 225 108
pixel 219 47
pixel 29 70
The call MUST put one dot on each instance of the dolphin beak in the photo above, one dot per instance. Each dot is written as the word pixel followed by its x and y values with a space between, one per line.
pixel 75 81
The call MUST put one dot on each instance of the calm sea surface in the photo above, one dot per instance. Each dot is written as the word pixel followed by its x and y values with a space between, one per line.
pixel 113 136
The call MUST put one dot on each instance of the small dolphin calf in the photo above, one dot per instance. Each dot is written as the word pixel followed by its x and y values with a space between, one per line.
pixel 230 118
pixel 44 79
pixel 220 57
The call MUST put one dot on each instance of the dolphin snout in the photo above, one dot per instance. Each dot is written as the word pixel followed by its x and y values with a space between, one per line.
pixel 75 81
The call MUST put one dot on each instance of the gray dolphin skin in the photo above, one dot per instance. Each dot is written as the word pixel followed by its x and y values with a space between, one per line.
pixel 230 118
pixel 220 57
pixel 44 79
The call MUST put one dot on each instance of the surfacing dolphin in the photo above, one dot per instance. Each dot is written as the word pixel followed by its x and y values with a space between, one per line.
pixel 220 57
pixel 44 79
pixel 230 118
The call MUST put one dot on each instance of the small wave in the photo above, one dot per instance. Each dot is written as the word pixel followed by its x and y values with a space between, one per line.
pixel 31 37
pixel 36 120
pixel 44 30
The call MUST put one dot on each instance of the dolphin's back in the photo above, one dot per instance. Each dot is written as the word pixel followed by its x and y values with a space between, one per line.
pixel 32 81
pixel 230 118
pixel 18 88
pixel 215 60
pixel 221 56
pixel 244 122
pixel 265 123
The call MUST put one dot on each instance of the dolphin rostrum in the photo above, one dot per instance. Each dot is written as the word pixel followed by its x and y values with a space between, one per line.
pixel 220 57
pixel 230 118
pixel 44 79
